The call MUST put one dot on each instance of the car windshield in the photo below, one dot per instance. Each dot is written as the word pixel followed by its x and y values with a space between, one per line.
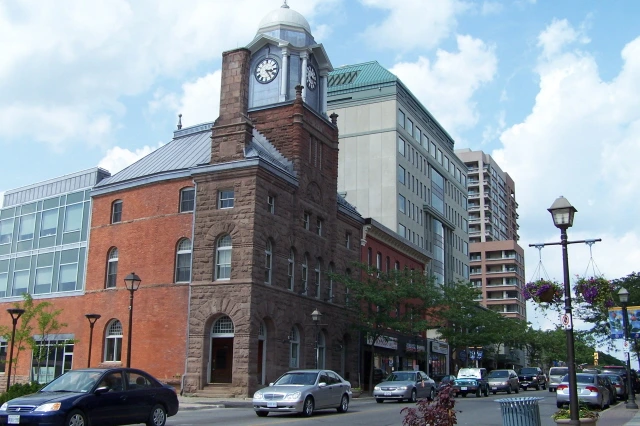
pixel 74 381
pixel 529 371
pixel 402 376
pixel 558 371
pixel 299 379
pixel 499 374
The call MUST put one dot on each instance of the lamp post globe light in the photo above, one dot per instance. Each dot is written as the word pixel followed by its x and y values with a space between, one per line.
pixel 132 282
pixel 15 314
pixel 315 317
pixel 623 294
pixel 562 213
pixel 92 321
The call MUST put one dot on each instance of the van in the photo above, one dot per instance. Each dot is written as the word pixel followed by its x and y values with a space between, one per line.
pixel 555 377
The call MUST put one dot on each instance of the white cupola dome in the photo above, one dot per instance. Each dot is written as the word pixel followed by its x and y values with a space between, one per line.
pixel 283 17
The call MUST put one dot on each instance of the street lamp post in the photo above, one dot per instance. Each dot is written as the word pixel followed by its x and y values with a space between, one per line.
pixel 132 282
pixel 623 294
pixel 92 320
pixel 315 317
pixel 15 314
pixel 562 213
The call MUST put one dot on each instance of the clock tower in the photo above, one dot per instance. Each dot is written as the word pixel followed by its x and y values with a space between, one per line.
pixel 284 54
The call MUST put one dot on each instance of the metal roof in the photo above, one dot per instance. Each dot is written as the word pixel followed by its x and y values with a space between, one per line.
pixel 359 75
pixel 185 151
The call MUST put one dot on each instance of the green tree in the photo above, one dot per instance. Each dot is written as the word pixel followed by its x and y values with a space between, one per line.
pixel 388 301
pixel 47 323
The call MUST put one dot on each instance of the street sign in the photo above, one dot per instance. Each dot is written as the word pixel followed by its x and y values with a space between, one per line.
pixel 625 347
pixel 565 319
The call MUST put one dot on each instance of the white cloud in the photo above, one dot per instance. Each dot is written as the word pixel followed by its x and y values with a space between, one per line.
pixel 446 86
pixel 199 101
pixel 99 53
pixel 413 23
pixel 580 140
pixel 491 8
pixel 118 158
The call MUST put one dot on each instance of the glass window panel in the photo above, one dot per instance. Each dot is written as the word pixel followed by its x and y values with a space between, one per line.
pixel 409 126
pixel 29 208
pixel 401 118
pixel 43 280
pixel 401 174
pixel 73 218
pixel 4 265
pixel 27 226
pixel 20 282
pixel 51 203
pixel 225 200
pixel 76 197
pixel 6 231
pixel 7 213
pixel 187 199
pixel 49 222
pixel 68 277
pixel 4 278
pixel 45 259
pixel 23 262
pixel 401 146
pixel 69 256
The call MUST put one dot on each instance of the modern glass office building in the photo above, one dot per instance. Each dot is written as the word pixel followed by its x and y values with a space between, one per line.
pixel 44 231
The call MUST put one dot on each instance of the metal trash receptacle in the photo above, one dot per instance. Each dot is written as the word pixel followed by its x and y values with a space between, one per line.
pixel 520 411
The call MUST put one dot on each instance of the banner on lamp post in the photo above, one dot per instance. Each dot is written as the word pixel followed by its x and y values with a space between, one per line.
pixel 616 322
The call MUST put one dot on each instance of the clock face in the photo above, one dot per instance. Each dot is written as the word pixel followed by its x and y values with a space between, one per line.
pixel 267 70
pixel 312 78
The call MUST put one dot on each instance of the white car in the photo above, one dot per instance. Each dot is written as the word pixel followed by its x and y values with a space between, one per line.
pixel 303 391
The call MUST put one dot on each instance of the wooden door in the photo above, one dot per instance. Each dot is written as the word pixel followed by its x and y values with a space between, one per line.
pixel 221 359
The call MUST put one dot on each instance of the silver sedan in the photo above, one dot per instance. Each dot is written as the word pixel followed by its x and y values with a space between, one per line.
pixel 401 385
pixel 591 391
pixel 303 391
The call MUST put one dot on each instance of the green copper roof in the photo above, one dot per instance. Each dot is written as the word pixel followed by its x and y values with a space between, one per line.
pixel 359 75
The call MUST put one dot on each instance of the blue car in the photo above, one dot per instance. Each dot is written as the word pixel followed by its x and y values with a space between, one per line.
pixel 95 396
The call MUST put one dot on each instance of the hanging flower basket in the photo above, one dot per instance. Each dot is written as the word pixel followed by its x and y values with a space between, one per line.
pixel 543 291
pixel 596 291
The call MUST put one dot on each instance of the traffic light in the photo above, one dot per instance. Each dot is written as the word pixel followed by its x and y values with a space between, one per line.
pixel 595 358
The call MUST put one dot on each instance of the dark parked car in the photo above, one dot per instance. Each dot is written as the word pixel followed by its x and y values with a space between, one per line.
pixel 94 396
pixel 610 386
pixel 532 377
pixel 442 381
pixel 469 385
pixel 619 385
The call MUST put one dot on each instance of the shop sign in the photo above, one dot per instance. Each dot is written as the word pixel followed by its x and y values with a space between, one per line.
pixel 384 342
pixel 439 347
pixel 410 347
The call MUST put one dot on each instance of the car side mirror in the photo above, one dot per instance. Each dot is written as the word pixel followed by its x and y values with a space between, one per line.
pixel 101 390
pixel 322 384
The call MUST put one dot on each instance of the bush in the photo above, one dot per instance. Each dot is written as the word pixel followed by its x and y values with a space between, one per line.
pixel 438 412
pixel 20 389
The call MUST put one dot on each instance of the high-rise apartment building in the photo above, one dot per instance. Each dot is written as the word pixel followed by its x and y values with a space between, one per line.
pixel 496 259
pixel 397 165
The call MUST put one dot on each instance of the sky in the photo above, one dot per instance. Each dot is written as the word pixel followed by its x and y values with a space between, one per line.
pixel 550 89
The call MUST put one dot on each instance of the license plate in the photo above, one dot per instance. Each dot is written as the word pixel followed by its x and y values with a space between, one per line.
pixel 272 404
pixel 463 388
pixel 494 388
pixel 387 394
pixel 13 419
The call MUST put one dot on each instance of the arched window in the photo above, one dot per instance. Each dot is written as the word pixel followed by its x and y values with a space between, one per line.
pixel 294 346
pixel 183 261
pixel 268 258
pixel 116 211
pixel 330 290
pixel 223 258
pixel 321 349
pixel 223 327
pixel 317 277
pixel 304 274
pixel 291 268
pixel 113 342
pixel 112 268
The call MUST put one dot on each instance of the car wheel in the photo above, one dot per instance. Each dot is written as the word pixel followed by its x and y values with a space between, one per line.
pixel 544 386
pixel 486 391
pixel 494 392
pixel 559 404
pixel 478 393
pixel 76 418
pixel 508 390
pixel 344 404
pixel 432 395
pixel 601 403
pixel 550 390
pixel 262 413
pixel 537 387
pixel 158 416
pixel 414 396
pixel 307 407
pixel 379 400
pixel 518 389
